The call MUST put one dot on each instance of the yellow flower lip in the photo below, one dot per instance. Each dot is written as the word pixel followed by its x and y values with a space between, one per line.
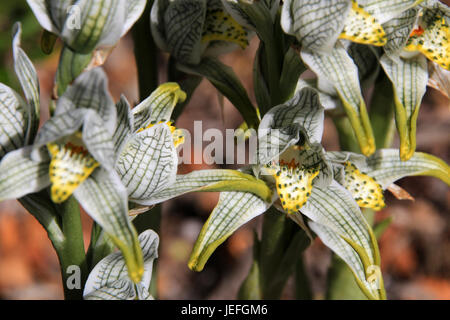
pixel 293 183
pixel 365 190
pixel 70 165
pixel 430 37
pixel 362 27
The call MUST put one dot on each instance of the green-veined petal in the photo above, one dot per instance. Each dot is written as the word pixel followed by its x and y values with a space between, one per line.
pixel 233 210
pixel 125 124
pixel 316 24
pixel 335 208
pixel 14 114
pixel 183 25
pixel 398 31
pixel 210 180
pixel 109 279
pixel 94 136
pixel 90 24
pixel 385 10
pixel 104 198
pixel 386 167
pixel 29 81
pixel 303 109
pixel 90 91
pixel 41 10
pixel 409 79
pixel 21 175
pixel 148 163
pixel 135 8
pixel 339 70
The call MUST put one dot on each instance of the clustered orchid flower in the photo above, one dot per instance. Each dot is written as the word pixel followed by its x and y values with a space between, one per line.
pixel 112 158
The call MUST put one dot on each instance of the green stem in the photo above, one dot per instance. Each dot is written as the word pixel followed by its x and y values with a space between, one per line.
pixel 382 112
pixel 250 288
pixel 72 253
pixel 302 287
pixel 347 139
pixel 281 243
pixel 146 54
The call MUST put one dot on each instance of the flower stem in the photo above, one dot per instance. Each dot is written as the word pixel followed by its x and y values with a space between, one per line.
pixel 275 257
pixel 146 54
pixel 72 256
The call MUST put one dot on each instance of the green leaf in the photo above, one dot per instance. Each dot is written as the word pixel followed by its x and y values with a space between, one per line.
pixel 148 162
pixel 316 24
pixel 260 84
pixel 226 81
pixel 29 81
pixel 386 167
pixel 409 79
pixel 109 279
pixel 71 65
pixel 21 175
pixel 338 71
pixel 341 282
pixel 104 198
pixel 233 210
pixel 366 59
pixel 14 114
pixel 339 223
pixel 48 41
pixel 290 74
pixel 210 181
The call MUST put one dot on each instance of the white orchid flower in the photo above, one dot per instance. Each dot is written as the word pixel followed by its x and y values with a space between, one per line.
pixel 86 25
pixel 109 279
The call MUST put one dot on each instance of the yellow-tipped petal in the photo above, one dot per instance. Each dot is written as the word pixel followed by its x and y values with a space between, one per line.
pixel 178 137
pixel 177 134
pixel 69 167
pixel 294 185
pixel 365 190
pixel 220 26
pixel 433 41
pixel 362 27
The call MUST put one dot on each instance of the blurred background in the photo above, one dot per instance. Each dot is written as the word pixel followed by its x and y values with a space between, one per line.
pixel 415 249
